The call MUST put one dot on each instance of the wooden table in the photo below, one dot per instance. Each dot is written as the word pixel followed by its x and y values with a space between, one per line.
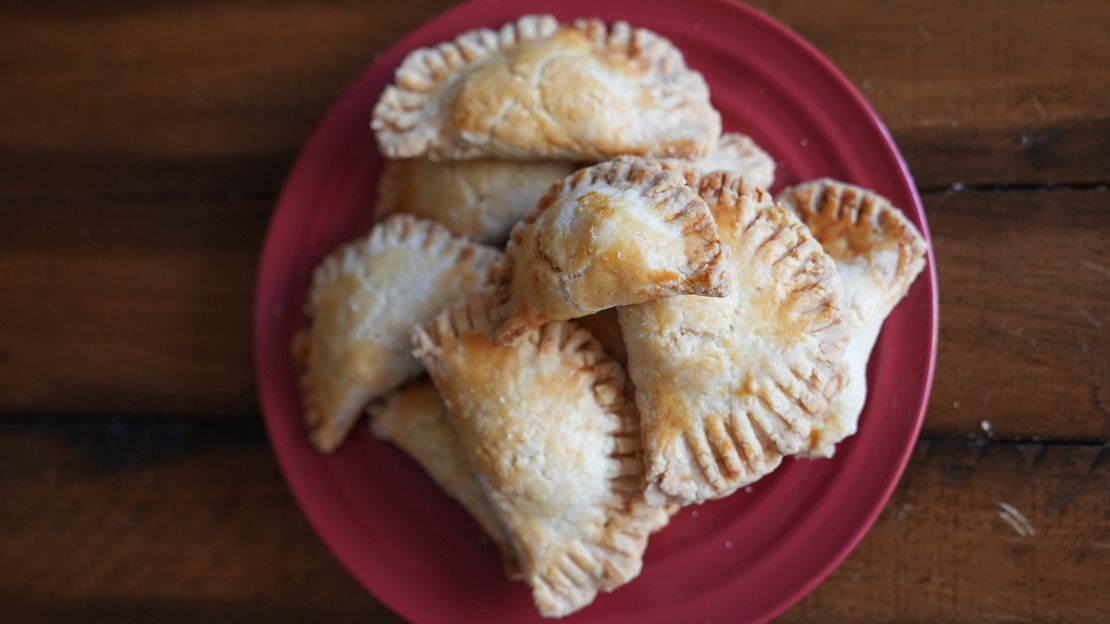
pixel 141 148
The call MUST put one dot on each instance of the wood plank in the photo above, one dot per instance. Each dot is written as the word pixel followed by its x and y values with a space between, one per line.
pixel 1001 92
pixel 942 552
pixel 200 97
pixel 1025 303
pixel 143 308
pixel 210 98
pixel 129 307
pixel 110 523
pixel 141 522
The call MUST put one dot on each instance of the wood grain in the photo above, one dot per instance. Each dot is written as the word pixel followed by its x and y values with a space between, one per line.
pixel 128 307
pixel 142 145
pixel 1025 310
pixel 143 308
pixel 941 551
pixel 208 98
pixel 110 523
pixel 976 93
pixel 181 523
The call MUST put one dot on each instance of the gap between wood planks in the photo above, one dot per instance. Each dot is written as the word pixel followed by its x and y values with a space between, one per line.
pixel 960 188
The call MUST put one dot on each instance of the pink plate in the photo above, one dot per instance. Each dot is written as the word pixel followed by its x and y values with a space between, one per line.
pixel 744 558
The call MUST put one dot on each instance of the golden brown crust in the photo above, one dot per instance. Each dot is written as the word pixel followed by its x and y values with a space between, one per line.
pixel 728 387
pixel 364 300
pixel 555 444
pixel 879 254
pixel 537 89
pixel 853 224
pixel 479 199
pixel 617 233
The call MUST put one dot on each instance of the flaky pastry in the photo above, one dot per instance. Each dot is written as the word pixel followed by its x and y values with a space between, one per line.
pixel 555 444
pixel 728 387
pixel 878 254
pixel 364 301
pixel 479 199
pixel 581 91
pixel 617 233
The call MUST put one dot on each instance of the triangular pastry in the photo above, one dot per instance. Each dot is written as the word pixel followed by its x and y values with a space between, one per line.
pixel 617 233
pixel 479 199
pixel 555 444
pixel 364 300
pixel 728 387
pixel 878 253
pixel 581 91
pixel 415 419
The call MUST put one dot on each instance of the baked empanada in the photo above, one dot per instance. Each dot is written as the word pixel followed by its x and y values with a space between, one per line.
pixel 364 301
pixel 415 419
pixel 878 253
pixel 555 444
pixel 617 233
pixel 727 387
pixel 534 89
pixel 479 199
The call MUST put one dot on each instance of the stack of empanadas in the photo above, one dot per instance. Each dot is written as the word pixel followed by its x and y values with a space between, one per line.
pixel 658 330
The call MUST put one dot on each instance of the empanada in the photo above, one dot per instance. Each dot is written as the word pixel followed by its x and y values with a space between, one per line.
pixel 535 89
pixel 617 233
pixel 728 387
pixel 555 444
pixel 364 301
pixel 878 253
pixel 479 199
pixel 415 419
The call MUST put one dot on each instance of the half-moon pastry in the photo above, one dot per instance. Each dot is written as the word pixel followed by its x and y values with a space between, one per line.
pixel 617 233
pixel 728 387
pixel 537 89
pixel 878 253
pixel 555 444
pixel 364 300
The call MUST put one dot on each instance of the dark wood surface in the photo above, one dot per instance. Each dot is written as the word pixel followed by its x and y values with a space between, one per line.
pixel 142 145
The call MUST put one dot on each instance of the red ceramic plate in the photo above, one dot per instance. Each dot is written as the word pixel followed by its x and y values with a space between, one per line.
pixel 744 558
